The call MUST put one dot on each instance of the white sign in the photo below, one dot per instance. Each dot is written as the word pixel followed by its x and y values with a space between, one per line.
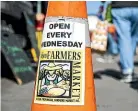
pixel 64 35
pixel 61 74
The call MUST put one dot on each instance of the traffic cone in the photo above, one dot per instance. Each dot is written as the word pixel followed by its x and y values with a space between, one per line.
pixel 64 79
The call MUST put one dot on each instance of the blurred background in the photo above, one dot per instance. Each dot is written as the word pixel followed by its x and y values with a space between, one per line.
pixel 22 24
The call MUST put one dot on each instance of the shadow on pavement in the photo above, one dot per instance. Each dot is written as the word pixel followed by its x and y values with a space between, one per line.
pixel 97 76
pixel 136 63
pixel 111 73
pixel 134 85
pixel 116 75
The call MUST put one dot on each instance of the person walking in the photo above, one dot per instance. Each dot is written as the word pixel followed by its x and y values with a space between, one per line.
pixel 112 47
pixel 125 18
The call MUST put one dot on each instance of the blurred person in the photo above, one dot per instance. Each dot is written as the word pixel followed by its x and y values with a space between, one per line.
pixel 125 18
pixel 112 48
pixel 100 12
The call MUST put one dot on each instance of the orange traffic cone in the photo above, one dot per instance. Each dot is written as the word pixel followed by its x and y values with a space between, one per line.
pixel 64 79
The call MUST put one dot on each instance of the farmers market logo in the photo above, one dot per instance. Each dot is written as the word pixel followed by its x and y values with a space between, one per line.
pixel 54 79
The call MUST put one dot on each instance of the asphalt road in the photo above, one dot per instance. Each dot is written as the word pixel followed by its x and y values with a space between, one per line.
pixel 111 95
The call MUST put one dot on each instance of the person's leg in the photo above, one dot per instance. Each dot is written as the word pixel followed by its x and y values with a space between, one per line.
pixel 121 19
pixel 113 48
pixel 134 31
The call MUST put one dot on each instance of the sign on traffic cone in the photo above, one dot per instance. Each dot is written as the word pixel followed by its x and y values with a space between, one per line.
pixel 64 79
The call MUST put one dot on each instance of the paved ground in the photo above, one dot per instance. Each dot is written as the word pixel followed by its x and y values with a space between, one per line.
pixel 111 95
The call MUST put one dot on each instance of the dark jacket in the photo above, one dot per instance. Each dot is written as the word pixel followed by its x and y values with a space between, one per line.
pixel 122 4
